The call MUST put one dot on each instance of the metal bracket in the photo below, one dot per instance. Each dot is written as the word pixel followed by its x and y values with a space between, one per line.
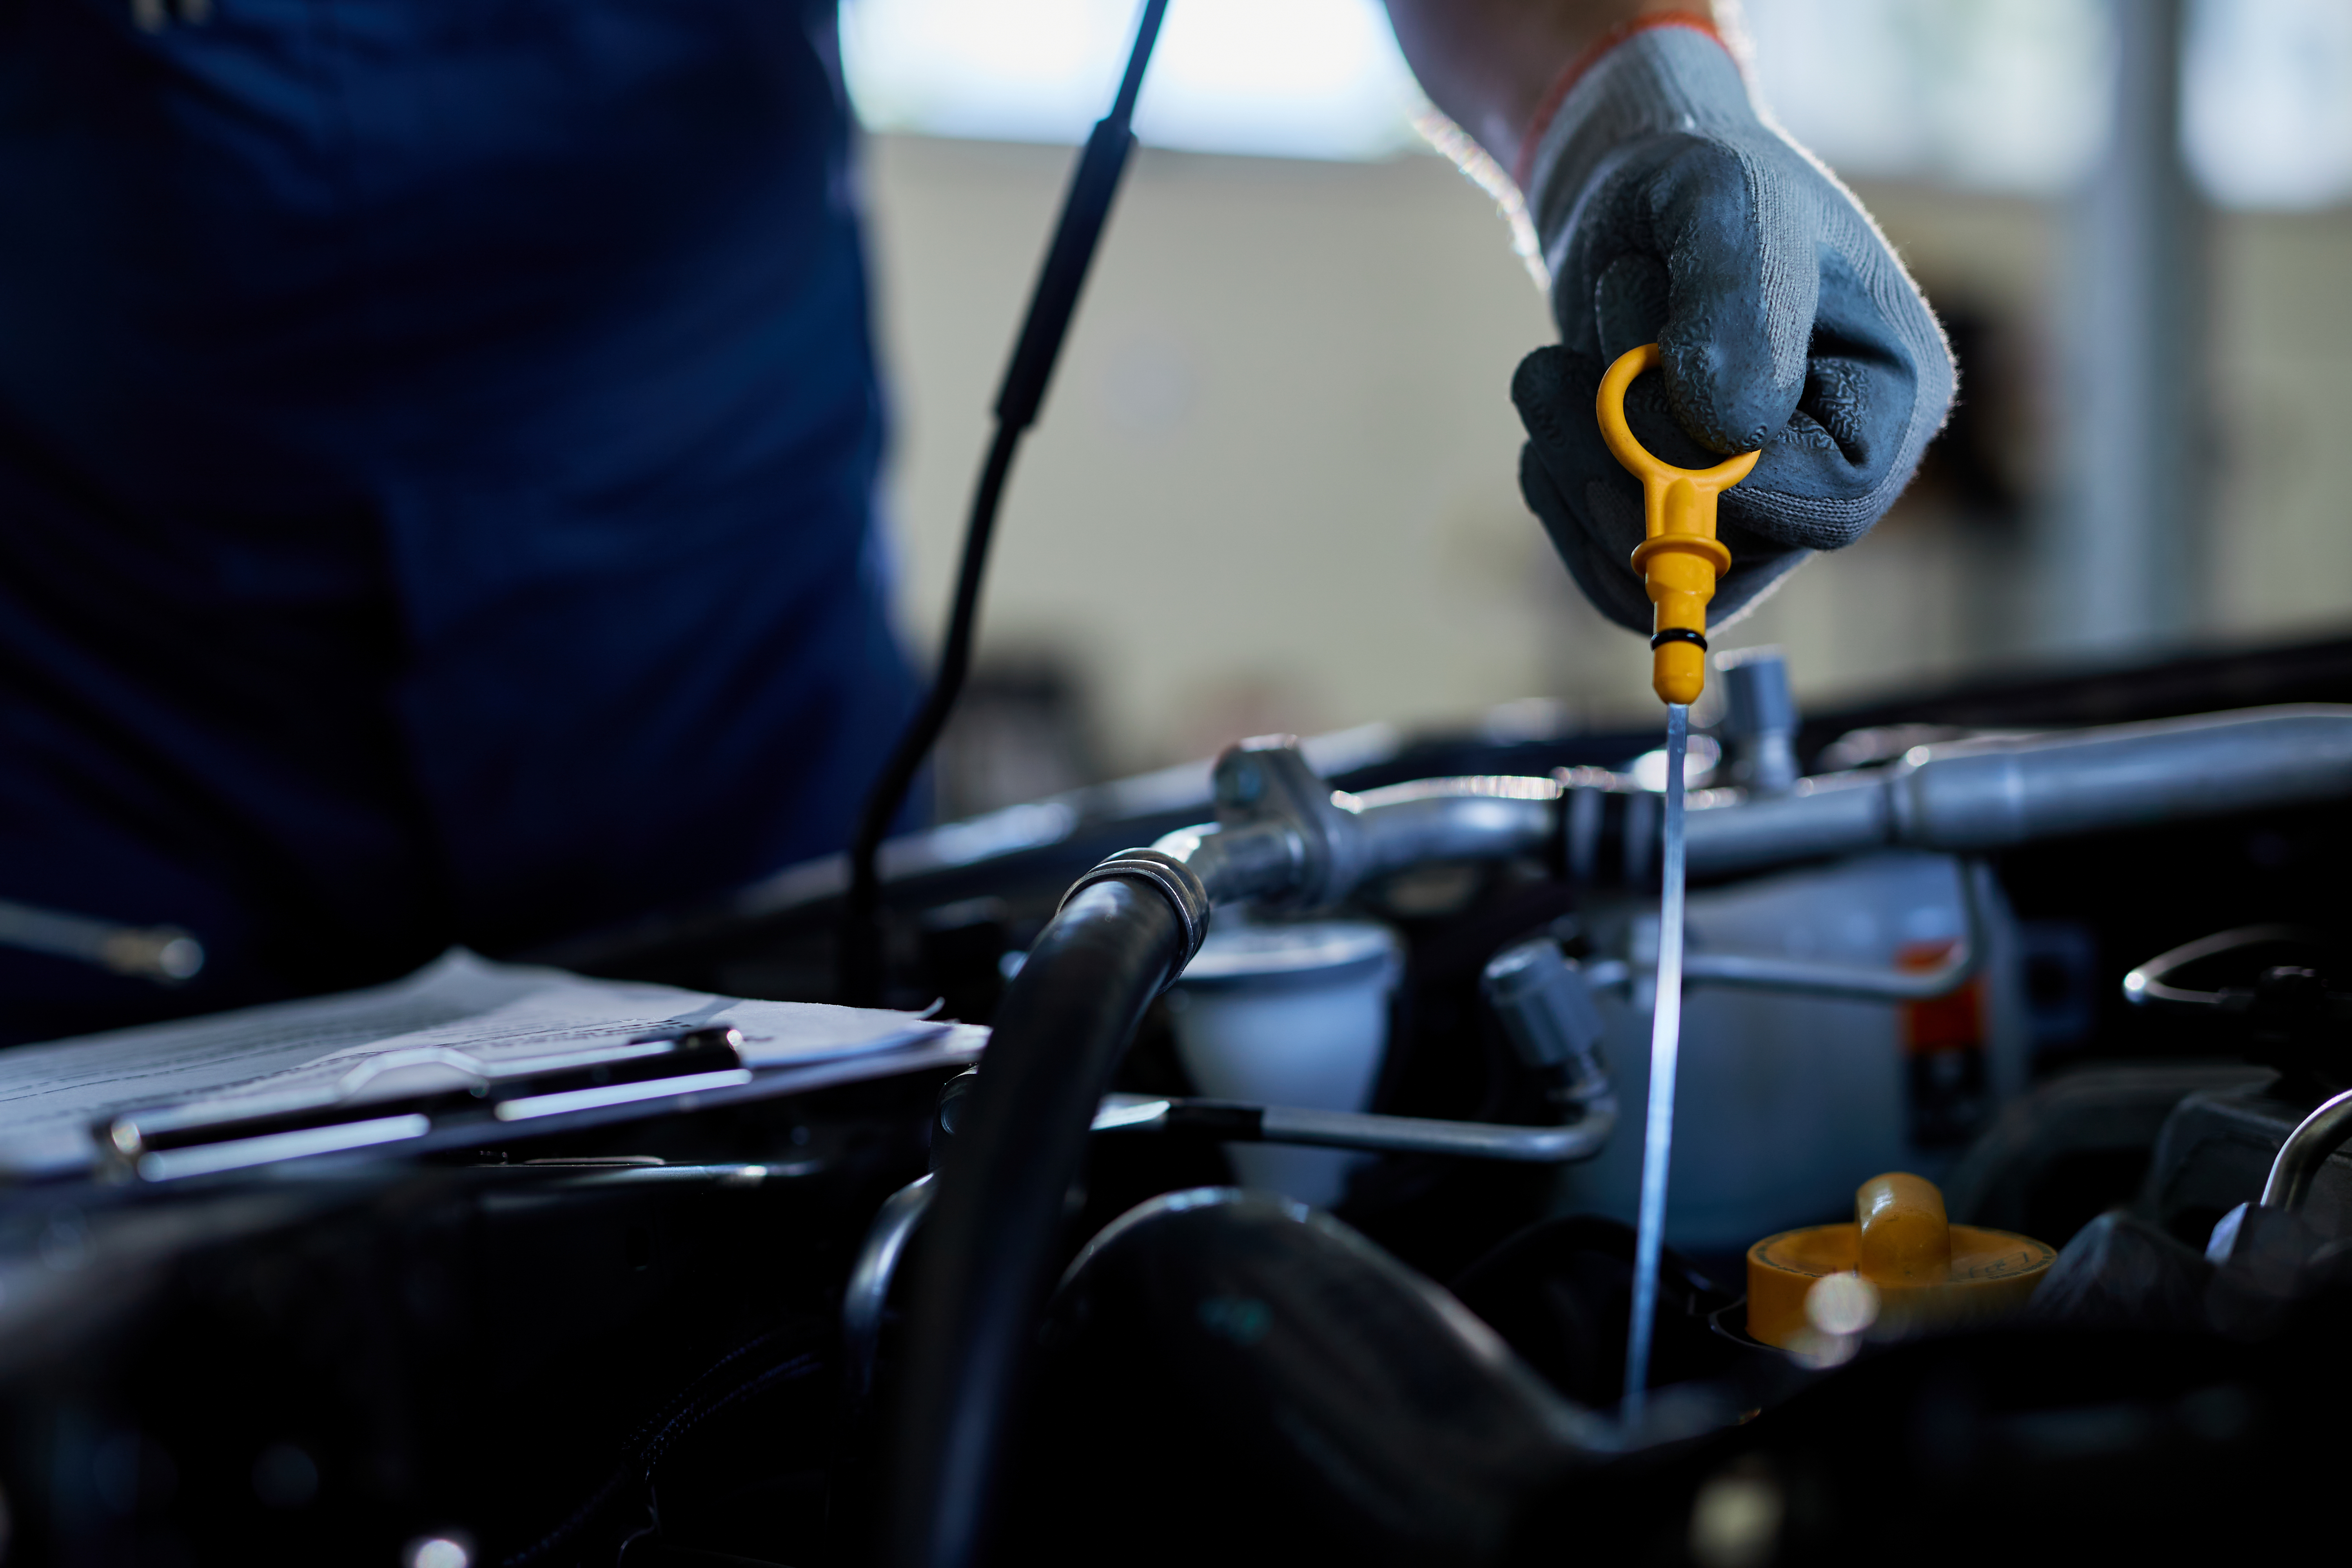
pixel 1267 780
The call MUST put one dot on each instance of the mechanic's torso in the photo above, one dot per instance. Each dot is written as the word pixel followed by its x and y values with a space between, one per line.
pixel 436 443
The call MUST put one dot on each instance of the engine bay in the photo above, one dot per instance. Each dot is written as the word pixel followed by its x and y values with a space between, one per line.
pixel 1290 1210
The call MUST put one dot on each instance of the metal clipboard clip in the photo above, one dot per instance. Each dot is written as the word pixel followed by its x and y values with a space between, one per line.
pixel 169 1142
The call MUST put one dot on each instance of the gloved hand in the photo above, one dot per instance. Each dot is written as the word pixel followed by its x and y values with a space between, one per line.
pixel 1670 212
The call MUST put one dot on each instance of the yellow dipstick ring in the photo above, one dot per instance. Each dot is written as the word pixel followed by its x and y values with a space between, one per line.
pixel 1679 558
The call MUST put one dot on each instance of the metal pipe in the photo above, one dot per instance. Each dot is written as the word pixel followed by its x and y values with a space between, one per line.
pixel 1974 796
pixel 1965 798
pixel 1455 819
pixel 1387 830
pixel 1234 1123
pixel 2306 1149
pixel 1852 983
pixel 1425 1136
pixel 1988 794
pixel 1819 819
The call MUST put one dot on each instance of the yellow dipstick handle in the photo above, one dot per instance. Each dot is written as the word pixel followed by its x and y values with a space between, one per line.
pixel 1679 558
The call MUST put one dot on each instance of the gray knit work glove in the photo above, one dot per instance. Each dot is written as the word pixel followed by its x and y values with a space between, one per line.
pixel 1671 212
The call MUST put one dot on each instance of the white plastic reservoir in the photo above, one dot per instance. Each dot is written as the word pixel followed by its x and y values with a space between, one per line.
pixel 1785 1104
pixel 1289 1014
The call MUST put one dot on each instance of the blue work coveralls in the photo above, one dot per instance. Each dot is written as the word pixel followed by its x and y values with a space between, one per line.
pixel 437 455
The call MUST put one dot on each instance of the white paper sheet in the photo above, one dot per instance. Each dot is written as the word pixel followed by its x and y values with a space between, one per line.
pixel 457 1021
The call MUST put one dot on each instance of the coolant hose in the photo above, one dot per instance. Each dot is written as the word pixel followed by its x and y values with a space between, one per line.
pixel 993 1245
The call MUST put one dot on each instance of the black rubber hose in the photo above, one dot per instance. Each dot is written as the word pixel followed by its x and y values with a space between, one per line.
pixel 1052 302
pixel 862 961
pixel 994 1231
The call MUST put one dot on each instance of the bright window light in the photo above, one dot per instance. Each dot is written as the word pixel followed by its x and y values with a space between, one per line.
pixel 1298 78
pixel 2001 95
pixel 2014 95
pixel 2267 108
pixel 2004 95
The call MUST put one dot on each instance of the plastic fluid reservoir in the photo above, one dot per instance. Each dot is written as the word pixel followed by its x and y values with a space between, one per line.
pixel 1785 1103
pixel 1289 1015
pixel 1899 1268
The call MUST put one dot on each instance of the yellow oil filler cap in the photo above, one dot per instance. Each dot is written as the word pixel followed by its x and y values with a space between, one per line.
pixel 1922 1271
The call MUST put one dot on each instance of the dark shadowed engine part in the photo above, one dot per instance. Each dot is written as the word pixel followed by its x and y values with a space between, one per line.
pixel 1307 1396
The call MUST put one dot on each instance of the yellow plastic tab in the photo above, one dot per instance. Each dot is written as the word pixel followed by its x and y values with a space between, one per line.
pixel 1926 1273
pixel 1678 558
pixel 1903 1237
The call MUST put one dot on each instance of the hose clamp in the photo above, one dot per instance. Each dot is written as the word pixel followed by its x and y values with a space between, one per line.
pixel 1175 881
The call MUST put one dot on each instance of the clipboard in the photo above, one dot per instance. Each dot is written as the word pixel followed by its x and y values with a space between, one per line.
pixel 166 1142
pixel 464 1053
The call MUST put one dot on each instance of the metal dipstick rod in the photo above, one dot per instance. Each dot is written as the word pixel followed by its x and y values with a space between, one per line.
pixel 1679 560
pixel 1666 1047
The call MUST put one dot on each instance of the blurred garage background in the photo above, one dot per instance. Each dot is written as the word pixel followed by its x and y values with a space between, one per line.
pixel 1274 486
